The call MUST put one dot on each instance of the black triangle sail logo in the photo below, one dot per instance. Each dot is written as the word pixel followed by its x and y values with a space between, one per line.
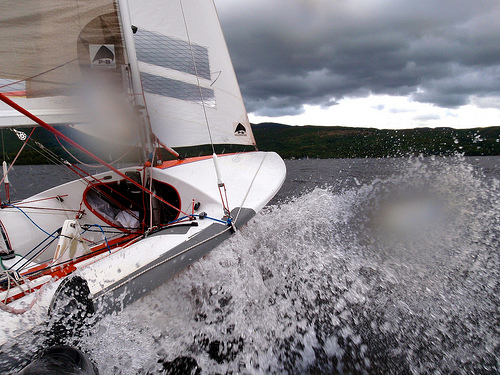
pixel 240 129
pixel 102 56
pixel 104 53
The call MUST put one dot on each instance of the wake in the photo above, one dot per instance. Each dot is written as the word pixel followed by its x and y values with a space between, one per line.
pixel 399 275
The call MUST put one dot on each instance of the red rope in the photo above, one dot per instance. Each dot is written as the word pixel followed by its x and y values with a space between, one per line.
pixel 225 205
pixel 96 188
pixel 50 209
pixel 50 128
pixel 43 199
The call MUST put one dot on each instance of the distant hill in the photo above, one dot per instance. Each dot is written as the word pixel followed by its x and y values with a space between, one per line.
pixel 345 142
pixel 289 141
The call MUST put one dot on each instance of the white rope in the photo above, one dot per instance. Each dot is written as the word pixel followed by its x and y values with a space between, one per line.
pixel 3 304
pixel 12 310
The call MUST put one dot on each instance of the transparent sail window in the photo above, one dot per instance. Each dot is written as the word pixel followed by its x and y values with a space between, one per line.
pixel 171 53
pixel 172 88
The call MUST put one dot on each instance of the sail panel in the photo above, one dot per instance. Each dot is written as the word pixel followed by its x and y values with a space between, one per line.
pixel 160 50
pixel 180 47
pixel 177 89
pixel 52 51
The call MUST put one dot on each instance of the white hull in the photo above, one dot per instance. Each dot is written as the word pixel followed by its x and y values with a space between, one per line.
pixel 117 277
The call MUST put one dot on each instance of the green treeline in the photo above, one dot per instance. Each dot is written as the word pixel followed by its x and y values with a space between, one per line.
pixel 288 141
pixel 344 142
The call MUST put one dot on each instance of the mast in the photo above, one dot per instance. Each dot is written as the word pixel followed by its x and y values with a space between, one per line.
pixel 137 90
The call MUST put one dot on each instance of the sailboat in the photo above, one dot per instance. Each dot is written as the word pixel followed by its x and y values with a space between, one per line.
pixel 152 76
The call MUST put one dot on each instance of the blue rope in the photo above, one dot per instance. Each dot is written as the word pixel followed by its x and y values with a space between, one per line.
pixel 217 220
pixel 38 252
pixel 35 224
pixel 175 221
pixel 228 222
pixel 102 231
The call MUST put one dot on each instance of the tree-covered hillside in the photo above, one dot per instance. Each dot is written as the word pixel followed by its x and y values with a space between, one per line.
pixel 344 142
pixel 289 141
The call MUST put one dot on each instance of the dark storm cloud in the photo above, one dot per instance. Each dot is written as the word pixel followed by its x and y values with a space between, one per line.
pixel 289 53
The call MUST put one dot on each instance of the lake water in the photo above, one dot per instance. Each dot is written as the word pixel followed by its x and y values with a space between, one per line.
pixel 386 266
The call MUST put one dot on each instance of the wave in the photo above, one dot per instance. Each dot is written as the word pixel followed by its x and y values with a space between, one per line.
pixel 397 275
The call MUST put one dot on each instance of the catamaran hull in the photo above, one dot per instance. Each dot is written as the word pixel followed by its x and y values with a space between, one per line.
pixel 164 268
pixel 116 278
pixel 57 327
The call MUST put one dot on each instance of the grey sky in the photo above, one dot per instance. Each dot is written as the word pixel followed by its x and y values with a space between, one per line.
pixel 290 53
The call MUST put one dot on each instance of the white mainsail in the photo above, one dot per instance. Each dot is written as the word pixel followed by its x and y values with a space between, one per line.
pixel 45 48
pixel 191 90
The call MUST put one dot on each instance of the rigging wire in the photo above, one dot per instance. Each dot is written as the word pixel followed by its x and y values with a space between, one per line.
pixel 197 78
pixel 55 159
pixel 92 165
pixel 221 185
pixel 3 146
pixel 102 231
pixel 33 253
pixel 35 224
pixel 250 186
pixel 18 153
pixel 49 155
pixel 39 74
pixel 46 153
